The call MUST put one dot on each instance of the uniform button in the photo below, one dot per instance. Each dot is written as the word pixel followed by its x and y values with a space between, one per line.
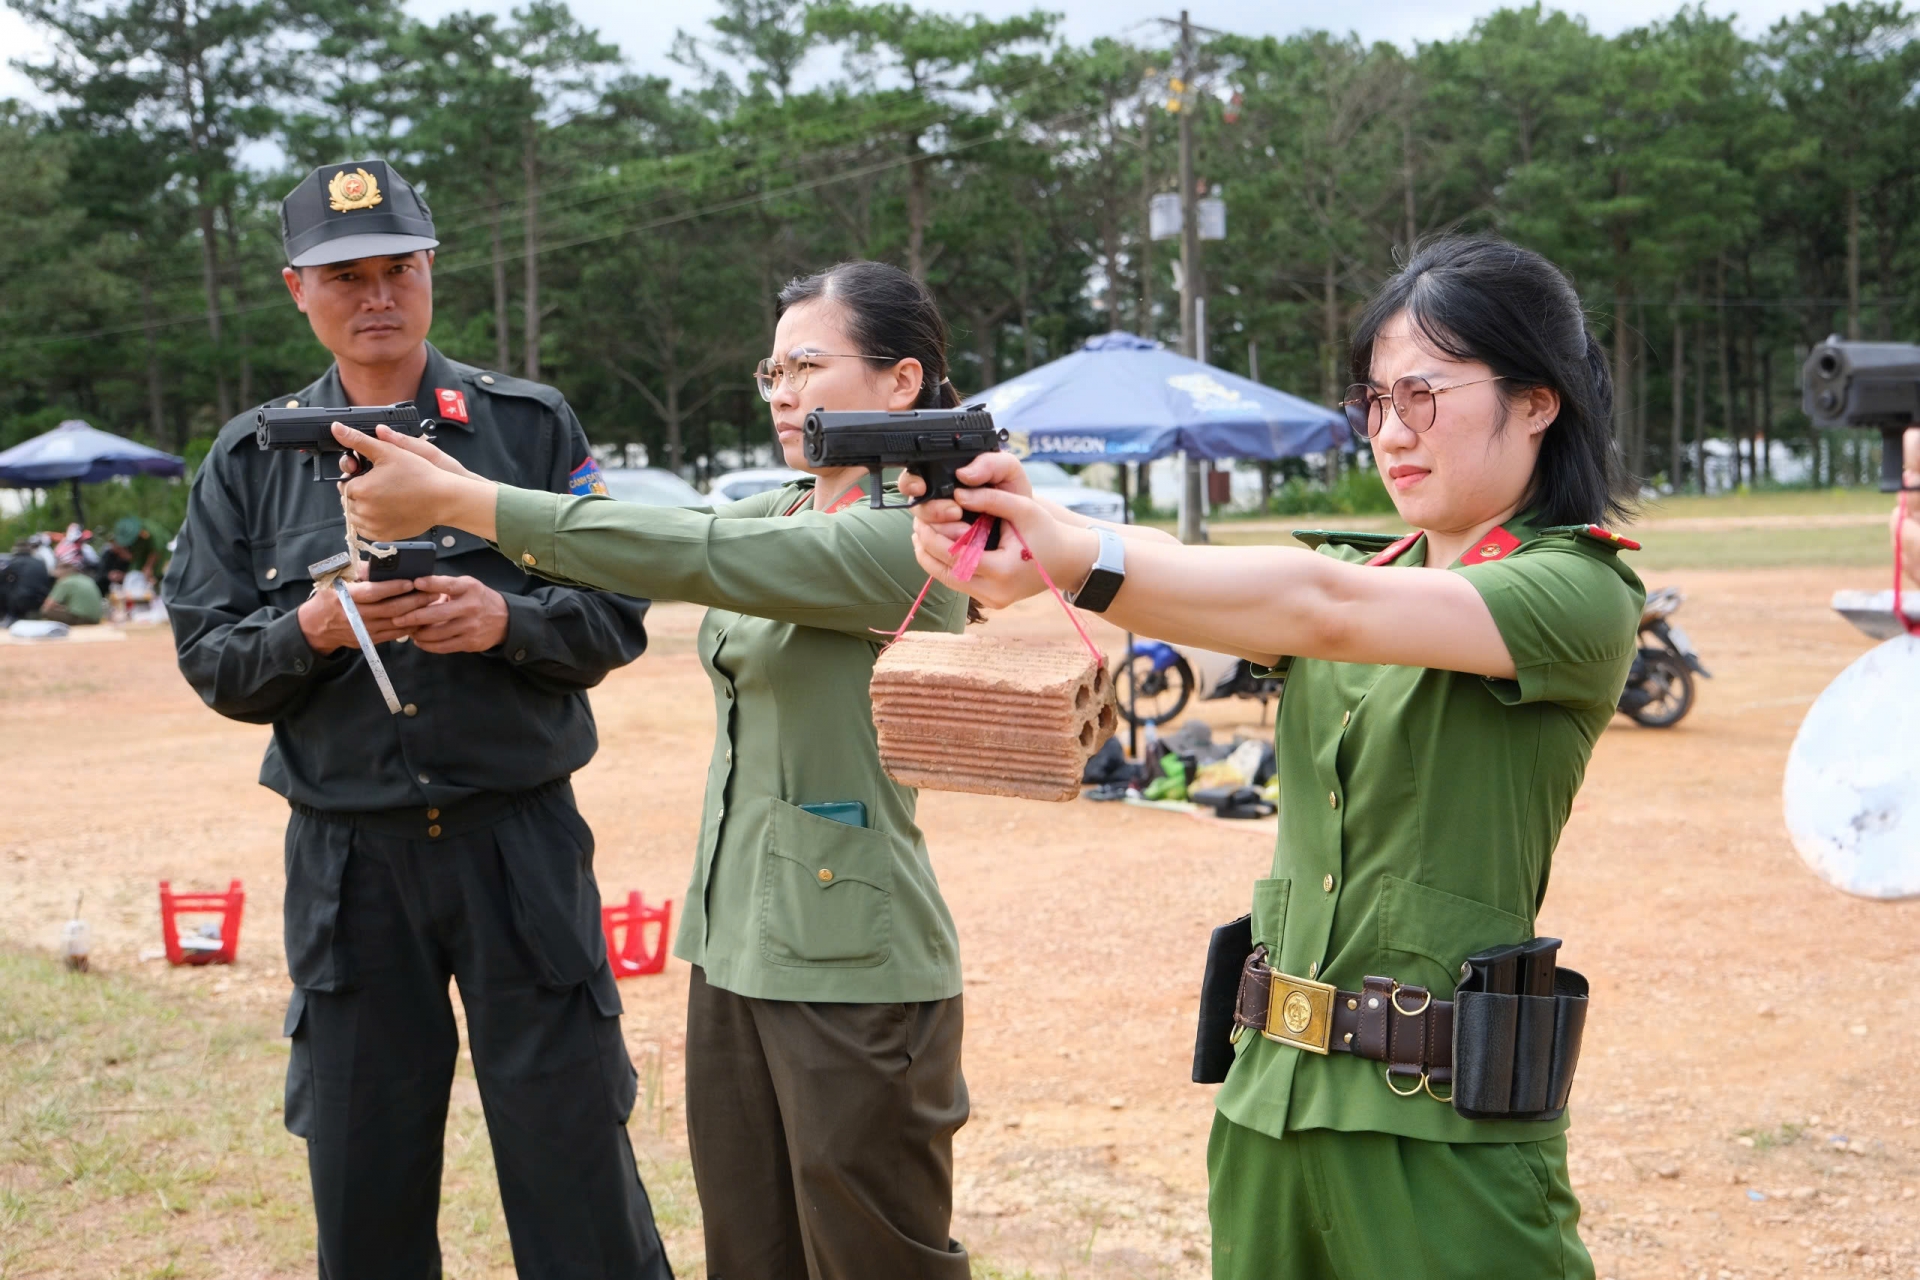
pixel 434 830
pixel 825 875
pixel 272 574
pixel 729 695
pixel 300 666
pixel 1313 970
pixel 433 813
pixel 487 378
pixel 1346 717
pixel 1326 882
pixel 447 540
pixel 1333 799
pixel 421 778
pixel 411 709
pixel 519 655
pixel 293 404
pixel 526 558
pixel 729 755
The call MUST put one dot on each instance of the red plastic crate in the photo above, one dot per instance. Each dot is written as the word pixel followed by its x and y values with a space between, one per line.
pixel 626 930
pixel 227 906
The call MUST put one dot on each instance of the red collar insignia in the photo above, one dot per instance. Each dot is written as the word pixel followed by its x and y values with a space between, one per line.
pixel 1393 552
pixel 1496 545
pixel 1608 535
pixel 453 404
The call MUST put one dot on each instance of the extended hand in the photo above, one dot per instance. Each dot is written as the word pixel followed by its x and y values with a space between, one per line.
pixel 1906 533
pixel 324 622
pixel 1003 576
pixel 455 615
pixel 412 487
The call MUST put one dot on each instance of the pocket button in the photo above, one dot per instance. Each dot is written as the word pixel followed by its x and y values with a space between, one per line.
pixel 826 876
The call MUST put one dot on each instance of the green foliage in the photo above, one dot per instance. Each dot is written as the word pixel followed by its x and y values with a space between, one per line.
pixel 1720 201
pixel 1356 493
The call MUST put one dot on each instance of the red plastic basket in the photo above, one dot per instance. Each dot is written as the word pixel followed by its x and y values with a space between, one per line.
pixel 626 930
pixel 226 905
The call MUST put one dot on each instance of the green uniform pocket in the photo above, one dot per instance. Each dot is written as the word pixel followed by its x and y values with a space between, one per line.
pixel 826 891
pixel 1441 928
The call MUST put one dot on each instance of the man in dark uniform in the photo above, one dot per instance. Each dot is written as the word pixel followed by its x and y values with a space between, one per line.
pixel 440 842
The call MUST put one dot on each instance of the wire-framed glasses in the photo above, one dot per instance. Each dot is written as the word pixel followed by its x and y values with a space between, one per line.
pixel 1411 397
pixel 797 367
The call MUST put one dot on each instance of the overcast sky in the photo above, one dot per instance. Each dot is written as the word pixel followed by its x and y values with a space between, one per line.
pixel 638 30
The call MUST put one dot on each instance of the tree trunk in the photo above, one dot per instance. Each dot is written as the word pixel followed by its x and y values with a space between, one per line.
pixel 1700 408
pixel 916 211
pixel 502 328
pixel 530 179
pixel 235 281
pixel 1853 264
pixel 156 395
pixel 985 348
pixel 210 282
pixel 672 415
pixel 1750 424
pixel 1766 414
pixel 1329 355
pixel 1642 357
pixel 1727 379
pixel 1622 378
pixel 1144 320
pixel 1676 473
pixel 1406 175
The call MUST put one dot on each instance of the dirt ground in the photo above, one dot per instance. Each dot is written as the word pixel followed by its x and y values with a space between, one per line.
pixel 1746 1106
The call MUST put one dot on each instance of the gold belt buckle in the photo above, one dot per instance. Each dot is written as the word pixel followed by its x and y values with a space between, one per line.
pixel 1300 1013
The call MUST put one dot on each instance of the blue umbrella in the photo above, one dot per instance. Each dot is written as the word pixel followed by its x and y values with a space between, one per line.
pixel 1123 398
pixel 76 452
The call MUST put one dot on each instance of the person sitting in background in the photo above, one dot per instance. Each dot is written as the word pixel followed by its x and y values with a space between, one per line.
pixel 135 544
pixel 74 600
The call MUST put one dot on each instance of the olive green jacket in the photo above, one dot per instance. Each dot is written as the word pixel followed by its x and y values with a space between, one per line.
pixel 784 904
pixel 1419 810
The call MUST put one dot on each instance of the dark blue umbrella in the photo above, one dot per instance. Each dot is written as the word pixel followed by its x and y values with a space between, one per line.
pixel 76 452
pixel 1122 398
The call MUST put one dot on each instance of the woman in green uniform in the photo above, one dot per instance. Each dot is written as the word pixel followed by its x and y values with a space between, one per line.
pixel 824 1012
pixel 1434 728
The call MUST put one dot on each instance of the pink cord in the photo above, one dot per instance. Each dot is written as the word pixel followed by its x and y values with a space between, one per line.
pixel 1899 543
pixel 966 559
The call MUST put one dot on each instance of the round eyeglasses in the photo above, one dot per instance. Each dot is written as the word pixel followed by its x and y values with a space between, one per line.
pixel 1411 397
pixel 799 366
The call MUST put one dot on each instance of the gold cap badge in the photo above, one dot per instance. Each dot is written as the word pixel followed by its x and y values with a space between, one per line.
pixel 356 190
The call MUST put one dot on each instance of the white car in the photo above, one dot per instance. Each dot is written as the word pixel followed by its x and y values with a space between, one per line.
pixel 651 487
pixel 1055 485
pixel 735 485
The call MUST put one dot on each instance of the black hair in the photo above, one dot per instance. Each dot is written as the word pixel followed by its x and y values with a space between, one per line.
pixel 1482 298
pixel 890 316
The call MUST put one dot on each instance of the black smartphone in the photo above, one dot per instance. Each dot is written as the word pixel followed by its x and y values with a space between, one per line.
pixel 409 560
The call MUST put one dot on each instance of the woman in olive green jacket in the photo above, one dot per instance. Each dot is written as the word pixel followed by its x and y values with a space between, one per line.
pixel 1443 694
pixel 824 1014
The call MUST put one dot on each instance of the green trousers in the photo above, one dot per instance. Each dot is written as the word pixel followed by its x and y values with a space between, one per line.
pixel 1321 1204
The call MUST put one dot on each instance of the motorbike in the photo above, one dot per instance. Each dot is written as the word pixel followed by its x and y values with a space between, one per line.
pixel 1157 681
pixel 1659 689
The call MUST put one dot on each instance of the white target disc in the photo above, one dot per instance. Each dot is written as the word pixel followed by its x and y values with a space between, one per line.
pixel 1852 788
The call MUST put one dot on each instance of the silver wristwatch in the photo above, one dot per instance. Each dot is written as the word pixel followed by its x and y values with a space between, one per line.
pixel 1109 571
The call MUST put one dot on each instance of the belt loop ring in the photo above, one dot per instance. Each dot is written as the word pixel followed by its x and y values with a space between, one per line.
pixel 1394 999
pixel 1413 1092
pixel 1426 1082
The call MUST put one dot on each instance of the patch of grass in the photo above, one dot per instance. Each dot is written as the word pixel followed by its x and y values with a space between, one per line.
pixel 141 1136
pixel 1768 1138
pixel 1769 502
pixel 1850 547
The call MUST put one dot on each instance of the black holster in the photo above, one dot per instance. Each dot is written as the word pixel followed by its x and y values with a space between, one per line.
pixel 1514 1055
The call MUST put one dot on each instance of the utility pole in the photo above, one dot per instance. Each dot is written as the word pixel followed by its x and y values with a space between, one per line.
pixel 1193 500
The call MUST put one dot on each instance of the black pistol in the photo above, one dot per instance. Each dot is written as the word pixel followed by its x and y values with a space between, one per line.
pixel 931 443
pixel 311 428
pixel 1865 384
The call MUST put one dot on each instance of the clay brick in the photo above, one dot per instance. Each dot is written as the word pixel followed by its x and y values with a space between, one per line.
pixel 992 716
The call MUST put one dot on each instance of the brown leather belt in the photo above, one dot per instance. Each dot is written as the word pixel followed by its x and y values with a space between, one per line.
pixel 1402 1026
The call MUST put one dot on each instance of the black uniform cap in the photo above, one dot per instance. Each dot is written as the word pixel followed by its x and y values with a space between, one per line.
pixel 360 209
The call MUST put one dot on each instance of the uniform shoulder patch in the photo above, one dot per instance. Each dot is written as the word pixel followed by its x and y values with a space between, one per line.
pixel 451 402
pixel 503 384
pixel 1368 542
pixel 1498 544
pixel 1595 534
pixel 586 479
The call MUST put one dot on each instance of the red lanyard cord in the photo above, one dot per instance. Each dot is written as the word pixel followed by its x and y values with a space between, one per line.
pixel 966 558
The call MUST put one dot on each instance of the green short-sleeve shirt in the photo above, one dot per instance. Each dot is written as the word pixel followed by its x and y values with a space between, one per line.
pixel 77 593
pixel 1419 810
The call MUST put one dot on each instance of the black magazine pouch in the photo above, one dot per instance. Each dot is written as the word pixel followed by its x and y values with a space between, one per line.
pixel 1227 954
pixel 1514 1054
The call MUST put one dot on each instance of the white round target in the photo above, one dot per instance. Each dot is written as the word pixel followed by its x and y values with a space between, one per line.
pixel 1852 788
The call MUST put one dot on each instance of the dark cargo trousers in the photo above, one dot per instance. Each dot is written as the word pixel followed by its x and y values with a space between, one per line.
pixel 822 1136
pixel 500 899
